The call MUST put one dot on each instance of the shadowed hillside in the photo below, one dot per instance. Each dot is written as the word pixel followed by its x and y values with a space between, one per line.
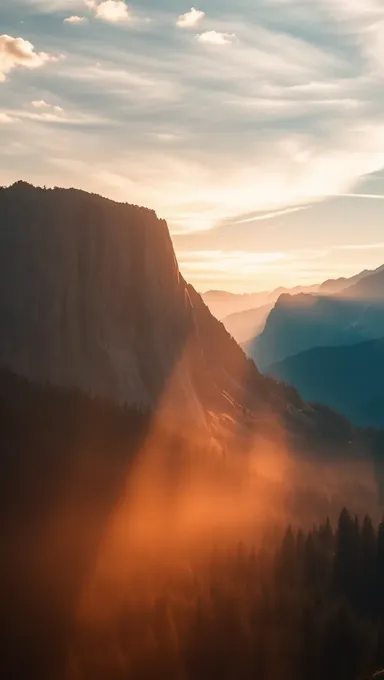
pixel 349 379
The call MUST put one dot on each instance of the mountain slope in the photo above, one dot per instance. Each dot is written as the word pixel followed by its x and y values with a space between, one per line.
pixel 249 323
pixel 333 286
pixel 299 323
pixel 245 325
pixel 349 379
pixel 223 304
pixel 369 287
pixel 91 298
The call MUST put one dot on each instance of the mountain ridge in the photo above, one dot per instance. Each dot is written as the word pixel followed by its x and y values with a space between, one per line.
pixel 298 323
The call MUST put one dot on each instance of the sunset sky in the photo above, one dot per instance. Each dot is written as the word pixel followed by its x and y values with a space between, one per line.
pixel 255 127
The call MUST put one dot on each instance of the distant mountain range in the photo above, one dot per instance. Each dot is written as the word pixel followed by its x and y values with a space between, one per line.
pixel 329 346
pixel 300 322
pixel 223 304
pixel 245 316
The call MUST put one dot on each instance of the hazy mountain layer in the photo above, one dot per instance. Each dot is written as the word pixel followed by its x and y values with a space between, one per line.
pixel 243 326
pixel 223 304
pixel 349 379
pixel 299 323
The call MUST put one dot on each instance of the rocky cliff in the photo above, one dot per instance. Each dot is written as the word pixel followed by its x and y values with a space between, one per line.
pixel 91 297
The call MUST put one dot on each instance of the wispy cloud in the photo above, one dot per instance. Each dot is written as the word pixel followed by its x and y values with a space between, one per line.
pixel 376 197
pixel 74 19
pixel 245 268
pixel 17 52
pixel 361 246
pixel 191 19
pixel 272 215
pixel 217 261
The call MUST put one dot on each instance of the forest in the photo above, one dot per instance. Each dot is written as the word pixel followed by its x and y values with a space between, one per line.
pixel 307 604
pixel 288 603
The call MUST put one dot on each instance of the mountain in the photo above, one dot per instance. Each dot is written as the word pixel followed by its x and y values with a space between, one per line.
pixel 248 322
pixel 369 287
pixel 299 323
pixel 132 428
pixel 223 304
pixel 91 298
pixel 245 325
pixel 348 379
pixel 333 286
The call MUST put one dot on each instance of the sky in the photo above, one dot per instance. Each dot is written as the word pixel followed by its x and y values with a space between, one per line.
pixel 255 127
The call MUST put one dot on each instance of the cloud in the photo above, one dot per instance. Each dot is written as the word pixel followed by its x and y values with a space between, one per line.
pixel 272 215
pixel 17 52
pixel 203 262
pixel 5 118
pixel 41 104
pixel 361 246
pixel 110 10
pixel 285 116
pixel 190 19
pixel 43 114
pixel 378 197
pixel 74 19
pixel 215 38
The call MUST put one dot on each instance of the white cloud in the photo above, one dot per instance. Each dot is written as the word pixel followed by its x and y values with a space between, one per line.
pixel 5 119
pixel 110 10
pixel 41 104
pixel 190 19
pixel 74 19
pixel 17 52
pixel 215 38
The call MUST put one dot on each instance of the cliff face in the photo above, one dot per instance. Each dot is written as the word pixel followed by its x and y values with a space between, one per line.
pixel 91 296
